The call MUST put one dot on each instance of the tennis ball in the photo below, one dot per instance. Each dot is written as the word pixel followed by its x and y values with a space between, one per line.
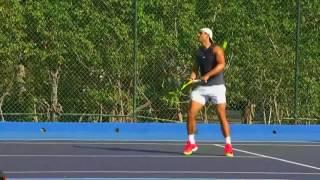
pixel 224 45
pixel 43 130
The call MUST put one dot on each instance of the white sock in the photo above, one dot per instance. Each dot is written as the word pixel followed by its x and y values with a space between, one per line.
pixel 228 140
pixel 191 138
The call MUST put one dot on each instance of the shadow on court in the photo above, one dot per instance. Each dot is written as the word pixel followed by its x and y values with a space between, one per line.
pixel 117 149
pixel 203 151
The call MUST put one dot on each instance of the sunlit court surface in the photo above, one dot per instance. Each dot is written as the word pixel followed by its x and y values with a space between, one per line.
pixel 143 156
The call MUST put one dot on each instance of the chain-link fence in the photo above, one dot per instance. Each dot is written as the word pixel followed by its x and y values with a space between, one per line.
pixel 110 60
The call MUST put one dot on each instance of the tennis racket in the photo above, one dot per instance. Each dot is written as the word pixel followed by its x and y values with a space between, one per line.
pixel 188 83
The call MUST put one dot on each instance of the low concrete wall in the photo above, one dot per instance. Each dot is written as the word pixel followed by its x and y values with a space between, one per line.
pixel 154 132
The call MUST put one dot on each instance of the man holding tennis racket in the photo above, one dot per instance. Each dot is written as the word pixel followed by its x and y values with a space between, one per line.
pixel 210 61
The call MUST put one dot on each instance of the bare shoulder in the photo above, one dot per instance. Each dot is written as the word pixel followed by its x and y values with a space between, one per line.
pixel 217 50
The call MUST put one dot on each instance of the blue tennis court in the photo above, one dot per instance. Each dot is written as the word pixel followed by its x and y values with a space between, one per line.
pixel 46 155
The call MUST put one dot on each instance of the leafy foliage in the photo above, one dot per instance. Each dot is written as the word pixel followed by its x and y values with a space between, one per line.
pixel 74 60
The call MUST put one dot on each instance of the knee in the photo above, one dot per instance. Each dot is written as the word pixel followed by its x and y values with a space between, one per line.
pixel 191 114
pixel 221 109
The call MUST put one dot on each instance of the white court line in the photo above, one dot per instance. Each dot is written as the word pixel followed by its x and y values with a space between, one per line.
pixel 274 158
pixel 120 156
pixel 129 179
pixel 67 141
pixel 174 143
pixel 102 143
pixel 163 143
pixel 279 145
pixel 160 172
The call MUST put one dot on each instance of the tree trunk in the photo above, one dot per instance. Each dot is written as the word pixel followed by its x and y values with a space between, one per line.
pixel 1 104
pixel 55 106
pixel 21 74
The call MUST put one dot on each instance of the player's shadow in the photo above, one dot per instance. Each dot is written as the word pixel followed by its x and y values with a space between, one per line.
pixel 128 149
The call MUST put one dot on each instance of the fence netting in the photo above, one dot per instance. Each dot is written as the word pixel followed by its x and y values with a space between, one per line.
pixel 123 61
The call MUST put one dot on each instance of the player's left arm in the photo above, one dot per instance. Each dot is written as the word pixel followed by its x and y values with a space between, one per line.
pixel 220 59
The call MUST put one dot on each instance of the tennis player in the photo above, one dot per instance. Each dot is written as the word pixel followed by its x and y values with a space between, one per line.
pixel 210 60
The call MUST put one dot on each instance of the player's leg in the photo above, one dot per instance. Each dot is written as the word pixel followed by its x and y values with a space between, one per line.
pixel 196 103
pixel 193 110
pixel 225 128
pixel 221 112
pixel 218 97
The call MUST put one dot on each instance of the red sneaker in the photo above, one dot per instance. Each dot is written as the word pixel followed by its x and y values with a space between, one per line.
pixel 228 150
pixel 190 148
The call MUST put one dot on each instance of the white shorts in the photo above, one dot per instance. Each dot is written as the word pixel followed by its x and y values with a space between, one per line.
pixel 215 94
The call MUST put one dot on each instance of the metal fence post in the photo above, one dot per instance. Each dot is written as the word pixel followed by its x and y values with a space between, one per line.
pixel 296 87
pixel 135 49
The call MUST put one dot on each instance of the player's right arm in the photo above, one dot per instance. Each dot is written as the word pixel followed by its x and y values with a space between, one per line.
pixel 195 67
pixel 194 71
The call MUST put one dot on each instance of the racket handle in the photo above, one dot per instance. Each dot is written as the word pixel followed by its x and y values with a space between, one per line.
pixel 196 80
